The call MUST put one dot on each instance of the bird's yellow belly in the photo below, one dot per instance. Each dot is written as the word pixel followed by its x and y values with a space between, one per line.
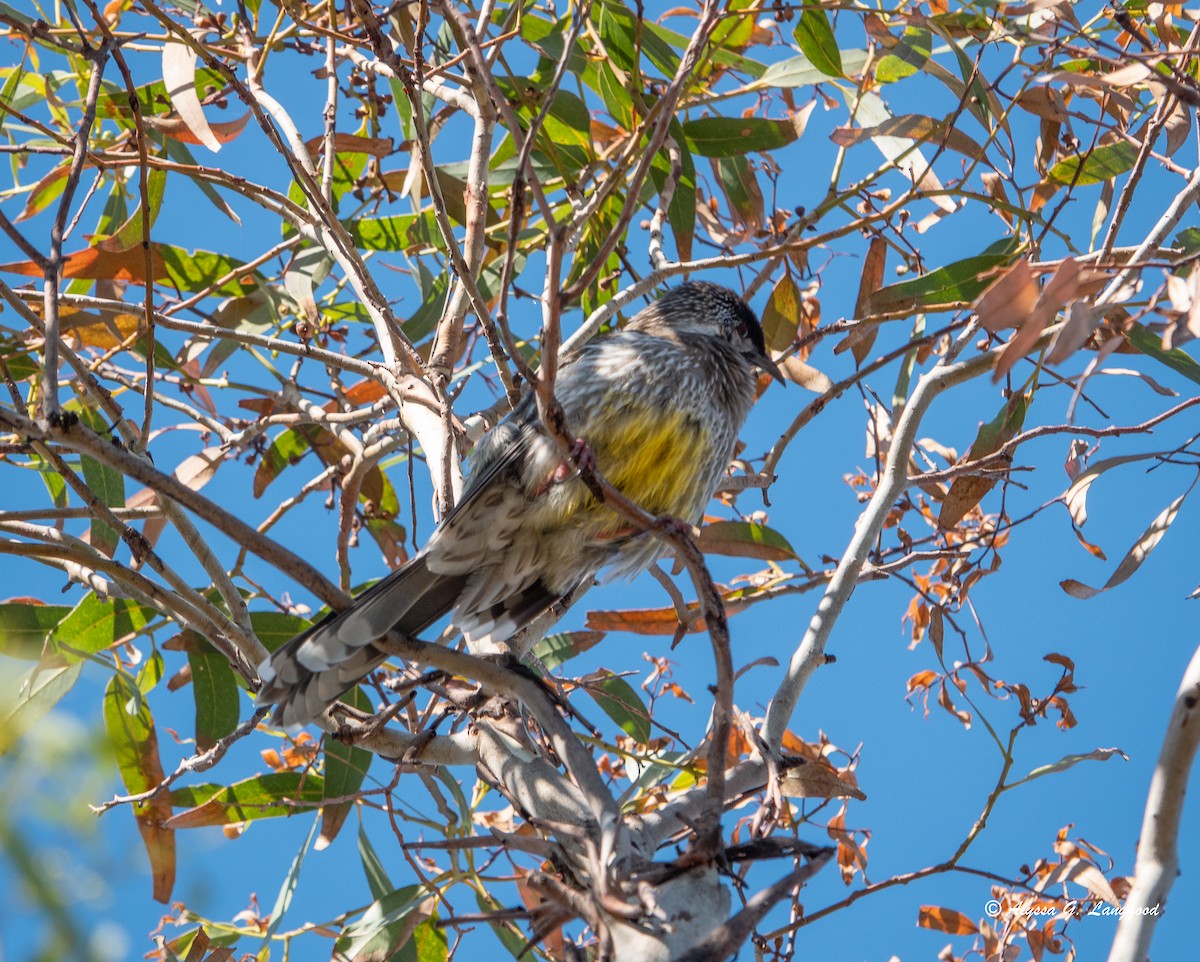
pixel 657 458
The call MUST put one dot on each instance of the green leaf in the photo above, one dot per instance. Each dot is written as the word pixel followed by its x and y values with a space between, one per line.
pixel 287 890
pixel 620 702
pixel 25 626
pixel 94 625
pixel 14 14
pixel 426 316
pixel 386 925
pixel 107 484
pixel 781 317
pixel 557 649
pixel 46 191
pixel 815 37
pixel 981 100
pixel 195 271
pixel 134 741
pixel 956 282
pixel 130 234
pixel 274 628
pixel 745 539
pixel 1096 166
pixel 1150 344
pixel 910 54
pixel 801 72
pixel 617 100
pixel 345 768
pixel 967 490
pixel 377 877
pixel 151 672
pixel 216 695
pixel 398 232
pixel 508 934
pixel 10 86
pixel 1188 239
pixel 430 942
pixel 27 698
pixel 53 481
pixel 264 796
pixel 627 38
pixel 739 183
pixel 682 212
pixel 288 447
pixel 729 136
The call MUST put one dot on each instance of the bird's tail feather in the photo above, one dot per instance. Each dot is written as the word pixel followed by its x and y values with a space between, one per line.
pixel 314 669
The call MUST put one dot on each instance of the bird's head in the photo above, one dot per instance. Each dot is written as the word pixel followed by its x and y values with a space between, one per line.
pixel 700 307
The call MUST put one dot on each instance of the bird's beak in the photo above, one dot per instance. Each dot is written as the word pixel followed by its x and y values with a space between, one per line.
pixel 764 363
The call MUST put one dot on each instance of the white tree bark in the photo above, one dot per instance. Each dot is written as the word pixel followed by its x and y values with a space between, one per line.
pixel 1158 848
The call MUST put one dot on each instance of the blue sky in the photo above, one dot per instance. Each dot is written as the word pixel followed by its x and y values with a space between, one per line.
pixel 926 778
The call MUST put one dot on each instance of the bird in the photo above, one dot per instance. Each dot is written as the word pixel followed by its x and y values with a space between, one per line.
pixel 658 404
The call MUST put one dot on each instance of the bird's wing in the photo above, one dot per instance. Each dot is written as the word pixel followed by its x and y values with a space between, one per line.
pixel 313 669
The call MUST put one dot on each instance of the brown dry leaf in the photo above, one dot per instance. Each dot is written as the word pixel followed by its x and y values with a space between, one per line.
pixel 851 856
pixel 1178 127
pixel 176 129
pixel 502 820
pixel 922 680
pixel 675 689
pixel 1082 318
pixel 552 941
pixel 915 127
pixel 861 337
pixel 994 184
pixel 93 264
pixel 344 143
pixel 1077 456
pixel 1049 139
pixel 945 702
pixel 195 471
pixel 179 77
pixel 1184 295
pixel 945 920
pixel 653 621
pixel 1009 300
pixel 1082 872
pixel 1075 497
pixel 272 759
pixel 1062 288
pixel 104 330
pixel 1125 76
pixel 1093 549
pixel 1134 557
pixel 1044 102
pixel 817 779
pixel 711 222
pixel 871 280
pixel 1042 194
pixel 799 117
pixel 361 394
pixel 807 376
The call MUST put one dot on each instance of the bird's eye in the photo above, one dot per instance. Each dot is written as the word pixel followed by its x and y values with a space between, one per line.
pixel 741 329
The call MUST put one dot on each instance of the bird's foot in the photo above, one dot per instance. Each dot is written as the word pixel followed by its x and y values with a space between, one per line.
pixel 580 461
pixel 583 456
pixel 671 526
